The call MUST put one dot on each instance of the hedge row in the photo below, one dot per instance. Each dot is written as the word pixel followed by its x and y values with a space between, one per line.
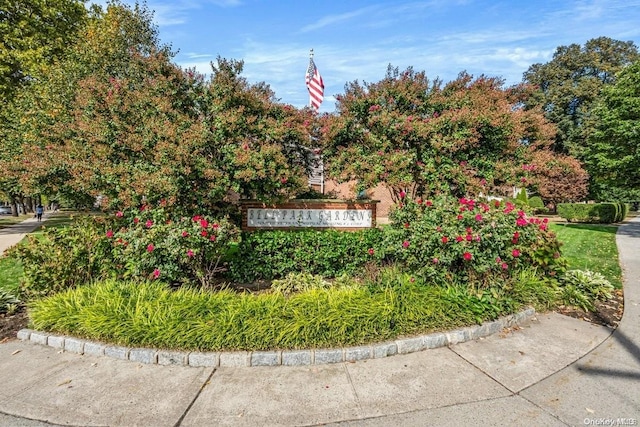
pixel 272 254
pixel 603 213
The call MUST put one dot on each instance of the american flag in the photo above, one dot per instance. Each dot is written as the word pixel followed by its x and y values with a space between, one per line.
pixel 314 85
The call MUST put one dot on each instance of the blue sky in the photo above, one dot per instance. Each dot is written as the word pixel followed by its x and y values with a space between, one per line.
pixel 357 39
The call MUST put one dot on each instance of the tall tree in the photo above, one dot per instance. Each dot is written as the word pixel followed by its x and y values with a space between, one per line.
pixel 416 137
pixel 571 82
pixel 33 34
pixel 107 45
pixel 612 150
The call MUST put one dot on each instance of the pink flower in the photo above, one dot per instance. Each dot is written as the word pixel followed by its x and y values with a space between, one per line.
pixel 196 218
pixel 459 217
pixel 509 208
pixel 189 253
pixel 185 234
pixel 467 256
pixel 109 233
pixel 515 253
pixel 504 266
pixel 459 239
pixel 212 238
pixel 156 273
pixel 483 181
pixel 405 244
pixel 478 217
pixel 284 180
pixel 521 222
pixel 204 233
pixel 136 220
pixel 406 225
pixel 435 260
pixel 413 279
pixel 469 237
pixel 402 194
pixel 371 251
pixel 215 226
pixel 542 227
pixel 149 223
pixel 150 248
pixel 445 239
pixel 204 223
pixel 119 214
pixel 498 260
pixel 428 203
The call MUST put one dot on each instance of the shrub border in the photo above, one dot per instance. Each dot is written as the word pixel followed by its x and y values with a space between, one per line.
pixel 276 357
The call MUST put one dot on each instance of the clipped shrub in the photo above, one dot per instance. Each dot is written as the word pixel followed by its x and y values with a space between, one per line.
pixel 602 213
pixel 522 197
pixel 469 241
pixel 272 254
pixel 622 209
pixel 536 203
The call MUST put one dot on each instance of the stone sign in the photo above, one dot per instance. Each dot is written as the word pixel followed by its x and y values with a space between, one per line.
pixel 321 214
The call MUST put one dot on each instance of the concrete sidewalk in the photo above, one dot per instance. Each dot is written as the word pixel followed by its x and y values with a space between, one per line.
pixel 552 371
pixel 13 234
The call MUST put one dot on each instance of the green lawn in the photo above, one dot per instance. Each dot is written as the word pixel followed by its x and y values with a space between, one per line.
pixel 591 247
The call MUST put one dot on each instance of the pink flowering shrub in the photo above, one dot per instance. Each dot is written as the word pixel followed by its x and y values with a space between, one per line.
pixel 147 243
pixel 470 241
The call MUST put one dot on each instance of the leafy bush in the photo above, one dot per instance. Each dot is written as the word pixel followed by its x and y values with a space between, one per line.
pixel 272 254
pixel 149 244
pixel 536 203
pixel 604 213
pixel 8 302
pixel 300 282
pixel 582 287
pixel 622 209
pixel 64 257
pixel 136 245
pixel 469 242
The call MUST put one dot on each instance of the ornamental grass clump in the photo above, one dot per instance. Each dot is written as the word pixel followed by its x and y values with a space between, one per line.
pixel 469 241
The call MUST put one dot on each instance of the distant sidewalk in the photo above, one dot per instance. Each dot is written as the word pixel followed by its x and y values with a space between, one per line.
pixel 13 234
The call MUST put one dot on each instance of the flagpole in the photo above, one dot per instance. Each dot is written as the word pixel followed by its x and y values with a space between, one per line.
pixel 310 59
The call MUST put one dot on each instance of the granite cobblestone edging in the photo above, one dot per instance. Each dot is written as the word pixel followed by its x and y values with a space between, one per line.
pixel 275 357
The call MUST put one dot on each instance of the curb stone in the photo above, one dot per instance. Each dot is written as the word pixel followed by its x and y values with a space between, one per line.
pixel 321 356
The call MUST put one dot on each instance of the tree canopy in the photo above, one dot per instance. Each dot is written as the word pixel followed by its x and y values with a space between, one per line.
pixel 32 35
pixel 417 137
pixel 571 82
pixel 612 150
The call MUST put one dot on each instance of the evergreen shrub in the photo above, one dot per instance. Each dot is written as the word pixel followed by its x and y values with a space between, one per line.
pixel 603 213
pixel 272 254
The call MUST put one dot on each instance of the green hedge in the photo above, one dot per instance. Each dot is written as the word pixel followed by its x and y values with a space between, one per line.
pixel 603 213
pixel 272 254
